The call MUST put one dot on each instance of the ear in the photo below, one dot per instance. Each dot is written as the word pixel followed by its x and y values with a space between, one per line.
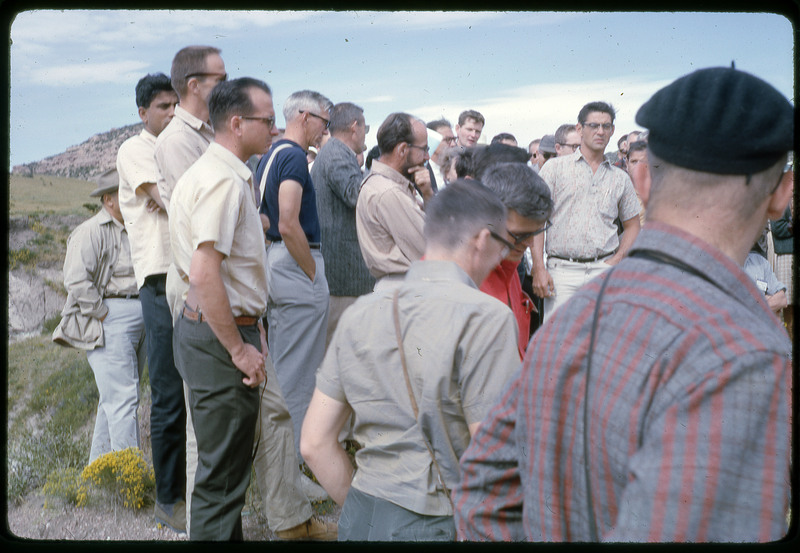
pixel 235 125
pixel 143 114
pixel 779 199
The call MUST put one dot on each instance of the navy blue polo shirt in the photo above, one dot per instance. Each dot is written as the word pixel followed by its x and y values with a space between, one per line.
pixel 289 164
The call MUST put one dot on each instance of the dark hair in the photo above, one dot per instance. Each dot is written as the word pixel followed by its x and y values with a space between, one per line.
pixel 396 128
pixel 460 211
pixel 622 139
pixel 638 146
pixel 438 124
pixel 591 107
pixel 498 152
pixel 503 136
pixel 374 153
pixel 232 97
pixel 520 189
pixel 470 114
pixel 149 87
pixel 189 60
pixel 343 115
pixel 563 131
pixel 465 161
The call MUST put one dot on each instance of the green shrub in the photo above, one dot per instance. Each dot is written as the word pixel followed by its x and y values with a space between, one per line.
pixel 64 484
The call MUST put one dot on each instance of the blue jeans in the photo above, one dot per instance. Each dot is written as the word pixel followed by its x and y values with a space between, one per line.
pixel 168 413
pixel 368 518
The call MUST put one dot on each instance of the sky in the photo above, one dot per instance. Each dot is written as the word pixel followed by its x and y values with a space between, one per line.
pixel 73 72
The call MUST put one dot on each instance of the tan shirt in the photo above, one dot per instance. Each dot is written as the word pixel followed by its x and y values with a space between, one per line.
pixel 148 231
pixel 122 281
pixel 389 222
pixel 177 147
pixel 214 202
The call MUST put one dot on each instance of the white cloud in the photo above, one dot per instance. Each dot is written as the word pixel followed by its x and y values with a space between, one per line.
pixel 90 73
pixel 379 99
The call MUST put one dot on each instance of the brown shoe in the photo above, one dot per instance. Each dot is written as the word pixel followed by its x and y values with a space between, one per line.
pixel 312 529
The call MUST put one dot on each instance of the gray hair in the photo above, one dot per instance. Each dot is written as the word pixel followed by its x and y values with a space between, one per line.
pixel 343 115
pixel 520 189
pixel 563 131
pixel 304 100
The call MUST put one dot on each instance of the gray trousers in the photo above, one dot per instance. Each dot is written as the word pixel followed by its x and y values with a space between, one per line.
pixel 297 313
pixel 117 367
pixel 368 518
pixel 224 411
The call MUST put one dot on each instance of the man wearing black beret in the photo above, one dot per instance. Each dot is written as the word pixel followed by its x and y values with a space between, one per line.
pixel 654 406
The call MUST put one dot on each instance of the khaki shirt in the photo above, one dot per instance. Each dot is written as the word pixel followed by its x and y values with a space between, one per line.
pixel 177 147
pixel 214 202
pixel 148 231
pixel 461 348
pixel 389 222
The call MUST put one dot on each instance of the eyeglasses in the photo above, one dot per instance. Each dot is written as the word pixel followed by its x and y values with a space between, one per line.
pixel 221 76
pixel 595 126
pixel 450 139
pixel 507 246
pixel 268 121
pixel 366 129
pixel 311 113
pixel 425 148
pixel 573 146
pixel 522 238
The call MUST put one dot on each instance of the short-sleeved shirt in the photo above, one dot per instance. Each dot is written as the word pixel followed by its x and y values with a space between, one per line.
pixel 389 222
pixel 289 164
pixel 214 202
pixel 177 147
pixel 759 269
pixel 460 347
pixel 148 231
pixel 586 205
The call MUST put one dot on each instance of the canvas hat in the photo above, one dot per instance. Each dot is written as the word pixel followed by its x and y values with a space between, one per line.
pixel 548 144
pixel 106 183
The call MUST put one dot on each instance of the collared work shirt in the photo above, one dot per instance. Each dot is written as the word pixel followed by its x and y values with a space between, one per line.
pixel 585 206
pixel 460 346
pixel 689 411
pixel 179 145
pixel 148 231
pixel 389 222
pixel 503 283
pixel 214 202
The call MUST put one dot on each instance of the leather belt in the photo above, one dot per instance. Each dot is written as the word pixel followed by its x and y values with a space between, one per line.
pixel 242 320
pixel 121 297
pixel 312 245
pixel 582 259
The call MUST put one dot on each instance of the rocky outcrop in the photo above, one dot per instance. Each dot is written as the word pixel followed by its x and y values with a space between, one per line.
pixel 84 161
pixel 31 301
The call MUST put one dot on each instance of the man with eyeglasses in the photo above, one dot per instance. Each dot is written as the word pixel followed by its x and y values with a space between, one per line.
pixel 337 180
pixel 389 219
pixel 298 289
pixel 568 140
pixel 527 200
pixel 589 195
pixel 459 347
pixel 443 140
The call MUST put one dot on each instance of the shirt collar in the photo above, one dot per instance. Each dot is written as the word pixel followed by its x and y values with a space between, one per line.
pixel 384 170
pixel 434 270
pixel 148 136
pixel 226 156
pixel 194 122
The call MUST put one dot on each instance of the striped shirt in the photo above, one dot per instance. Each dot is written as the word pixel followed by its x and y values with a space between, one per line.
pixel 689 412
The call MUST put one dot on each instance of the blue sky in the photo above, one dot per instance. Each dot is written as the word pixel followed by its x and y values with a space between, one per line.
pixel 73 72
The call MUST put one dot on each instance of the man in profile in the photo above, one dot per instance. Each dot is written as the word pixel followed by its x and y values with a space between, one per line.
pixel 655 406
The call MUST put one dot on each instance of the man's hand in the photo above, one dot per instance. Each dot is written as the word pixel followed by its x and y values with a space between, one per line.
pixel 542 283
pixel 251 362
pixel 422 178
pixel 777 301
pixel 151 206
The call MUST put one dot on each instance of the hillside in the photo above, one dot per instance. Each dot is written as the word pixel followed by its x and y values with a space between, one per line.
pixel 84 161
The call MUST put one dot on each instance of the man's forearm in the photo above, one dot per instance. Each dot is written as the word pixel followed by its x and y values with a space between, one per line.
pixel 296 242
pixel 631 229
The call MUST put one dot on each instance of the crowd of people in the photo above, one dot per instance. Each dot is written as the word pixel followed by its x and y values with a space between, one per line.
pixel 556 343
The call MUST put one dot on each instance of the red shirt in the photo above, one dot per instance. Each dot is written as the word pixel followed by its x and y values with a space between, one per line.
pixel 503 284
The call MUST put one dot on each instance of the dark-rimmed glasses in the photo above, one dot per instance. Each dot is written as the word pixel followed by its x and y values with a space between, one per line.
pixel 522 238
pixel 425 148
pixel 221 76
pixel 595 126
pixel 507 246
pixel 327 122
pixel 268 121
pixel 573 146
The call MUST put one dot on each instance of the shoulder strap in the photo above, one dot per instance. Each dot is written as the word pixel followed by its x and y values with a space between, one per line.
pixel 399 336
pixel 263 181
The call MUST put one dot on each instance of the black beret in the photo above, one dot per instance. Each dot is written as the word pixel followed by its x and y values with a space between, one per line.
pixel 719 120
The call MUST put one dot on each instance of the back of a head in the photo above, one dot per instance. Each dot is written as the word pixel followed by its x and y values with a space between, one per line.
pixel 503 136
pixel 396 128
pixel 149 87
pixel 520 189
pixel 305 100
pixel 232 97
pixel 343 115
pixel 696 141
pixel 497 153
pixel 437 124
pixel 190 60
pixel 465 163
pixel 459 212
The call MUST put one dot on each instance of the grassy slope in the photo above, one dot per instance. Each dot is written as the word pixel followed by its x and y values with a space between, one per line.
pixel 44 194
